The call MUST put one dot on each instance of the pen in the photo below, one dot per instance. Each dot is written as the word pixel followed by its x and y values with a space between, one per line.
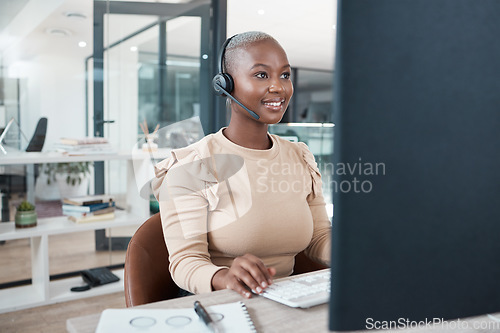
pixel 205 317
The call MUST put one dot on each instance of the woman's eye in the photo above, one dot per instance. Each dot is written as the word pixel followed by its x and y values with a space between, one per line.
pixel 261 75
pixel 285 76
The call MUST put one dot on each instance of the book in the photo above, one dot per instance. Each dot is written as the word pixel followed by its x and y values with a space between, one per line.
pixel 87 208
pixel 88 200
pixel 83 214
pixel 83 141
pixel 232 317
pixel 92 218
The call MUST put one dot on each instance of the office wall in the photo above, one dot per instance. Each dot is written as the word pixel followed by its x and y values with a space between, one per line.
pixel 56 90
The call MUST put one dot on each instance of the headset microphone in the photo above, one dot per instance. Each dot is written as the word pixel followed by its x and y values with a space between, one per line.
pixel 223 83
pixel 224 92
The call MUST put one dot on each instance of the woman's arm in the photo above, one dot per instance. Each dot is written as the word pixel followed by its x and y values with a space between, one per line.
pixel 184 213
pixel 184 209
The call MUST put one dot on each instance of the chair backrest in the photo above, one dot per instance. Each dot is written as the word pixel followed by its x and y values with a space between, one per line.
pixel 147 278
pixel 305 265
pixel 38 139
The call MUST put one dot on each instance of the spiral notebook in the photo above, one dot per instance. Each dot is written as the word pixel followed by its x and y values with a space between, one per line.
pixel 231 317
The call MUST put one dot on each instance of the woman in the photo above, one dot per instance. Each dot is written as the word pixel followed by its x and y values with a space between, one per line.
pixel 238 205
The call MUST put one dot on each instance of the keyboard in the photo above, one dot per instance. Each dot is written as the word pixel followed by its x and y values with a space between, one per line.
pixel 301 291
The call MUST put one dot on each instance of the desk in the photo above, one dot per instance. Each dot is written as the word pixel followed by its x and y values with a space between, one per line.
pixel 270 316
pixel 267 316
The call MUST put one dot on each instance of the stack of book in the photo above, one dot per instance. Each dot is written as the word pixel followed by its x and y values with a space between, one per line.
pixel 89 208
pixel 85 146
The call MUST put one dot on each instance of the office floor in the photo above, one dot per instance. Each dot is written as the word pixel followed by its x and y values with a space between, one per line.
pixel 52 318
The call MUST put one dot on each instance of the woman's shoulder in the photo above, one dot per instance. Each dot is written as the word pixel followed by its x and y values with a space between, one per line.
pixel 302 150
pixel 299 148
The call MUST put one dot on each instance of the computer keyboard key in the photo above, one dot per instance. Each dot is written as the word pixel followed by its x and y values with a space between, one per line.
pixel 303 291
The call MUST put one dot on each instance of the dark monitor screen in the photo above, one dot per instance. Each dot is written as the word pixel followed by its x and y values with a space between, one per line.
pixel 416 230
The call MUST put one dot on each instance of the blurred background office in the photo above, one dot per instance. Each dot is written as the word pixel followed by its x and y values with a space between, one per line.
pixel 100 68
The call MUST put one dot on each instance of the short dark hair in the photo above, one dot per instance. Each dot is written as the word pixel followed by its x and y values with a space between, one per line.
pixel 239 41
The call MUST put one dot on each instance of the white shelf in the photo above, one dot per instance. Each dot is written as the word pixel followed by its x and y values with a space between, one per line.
pixel 19 298
pixel 62 225
pixel 13 158
pixel 42 291
pixel 60 289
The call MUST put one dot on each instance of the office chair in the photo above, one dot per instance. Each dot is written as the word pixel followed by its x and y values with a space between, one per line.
pixel 147 278
pixel 38 139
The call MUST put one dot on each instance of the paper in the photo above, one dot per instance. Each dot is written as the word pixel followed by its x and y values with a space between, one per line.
pixel 231 317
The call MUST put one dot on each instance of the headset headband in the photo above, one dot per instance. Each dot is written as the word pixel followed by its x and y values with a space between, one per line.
pixel 223 52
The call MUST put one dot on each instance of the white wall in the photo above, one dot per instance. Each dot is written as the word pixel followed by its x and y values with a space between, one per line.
pixel 56 90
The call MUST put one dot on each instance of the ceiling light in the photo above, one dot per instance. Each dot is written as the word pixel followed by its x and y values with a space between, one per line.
pixel 58 32
pixel 261 12
pixel 133 48
pixel 75 15
pixel 82 44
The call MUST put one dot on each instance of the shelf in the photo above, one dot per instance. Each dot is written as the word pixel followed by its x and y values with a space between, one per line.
pixel 43 291
pixel 13 158
pixel 139 172
pixel 62 225
pixel 18 298
pixel 59 290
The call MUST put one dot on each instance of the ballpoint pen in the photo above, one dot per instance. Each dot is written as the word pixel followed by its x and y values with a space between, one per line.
pixel 205 317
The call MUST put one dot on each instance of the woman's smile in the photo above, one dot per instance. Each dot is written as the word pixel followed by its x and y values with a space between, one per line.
pixel 274 104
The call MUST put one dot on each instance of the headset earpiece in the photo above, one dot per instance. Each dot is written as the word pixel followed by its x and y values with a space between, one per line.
pixel 223 83
pixel 223 80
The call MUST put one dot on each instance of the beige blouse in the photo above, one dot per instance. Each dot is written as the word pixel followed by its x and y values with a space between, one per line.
pixel 219 200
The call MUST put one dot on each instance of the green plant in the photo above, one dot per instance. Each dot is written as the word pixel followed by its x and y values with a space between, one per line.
pixel 25 206
pixel 75 172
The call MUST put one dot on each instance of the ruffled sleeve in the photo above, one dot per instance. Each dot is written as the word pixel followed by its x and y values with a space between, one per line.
pixel 313 169
pixel 191 162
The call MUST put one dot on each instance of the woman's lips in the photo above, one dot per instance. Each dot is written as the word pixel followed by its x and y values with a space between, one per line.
pixel 275 105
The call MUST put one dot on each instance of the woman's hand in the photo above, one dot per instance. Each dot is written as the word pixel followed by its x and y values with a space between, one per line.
pixel 247 272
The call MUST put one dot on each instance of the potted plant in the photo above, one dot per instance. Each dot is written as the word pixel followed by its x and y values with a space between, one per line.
pixel 72 178
pixel 25 215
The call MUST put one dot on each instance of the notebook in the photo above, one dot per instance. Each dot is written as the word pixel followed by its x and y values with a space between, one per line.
pixel 231 317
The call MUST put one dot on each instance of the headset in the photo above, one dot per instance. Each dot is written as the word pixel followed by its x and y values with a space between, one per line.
pixel 223 83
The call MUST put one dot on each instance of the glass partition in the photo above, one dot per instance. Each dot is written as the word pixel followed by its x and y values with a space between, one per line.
pixel 313 96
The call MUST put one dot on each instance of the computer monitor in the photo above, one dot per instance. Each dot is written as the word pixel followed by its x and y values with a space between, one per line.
pixel 416 227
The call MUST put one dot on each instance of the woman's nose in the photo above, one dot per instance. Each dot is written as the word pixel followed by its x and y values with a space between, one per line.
pixel 276 86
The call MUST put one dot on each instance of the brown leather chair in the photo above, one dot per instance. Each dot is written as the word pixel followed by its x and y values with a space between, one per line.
pixel 147 278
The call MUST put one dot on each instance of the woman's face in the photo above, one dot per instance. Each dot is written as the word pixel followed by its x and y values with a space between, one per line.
pixel 261 75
